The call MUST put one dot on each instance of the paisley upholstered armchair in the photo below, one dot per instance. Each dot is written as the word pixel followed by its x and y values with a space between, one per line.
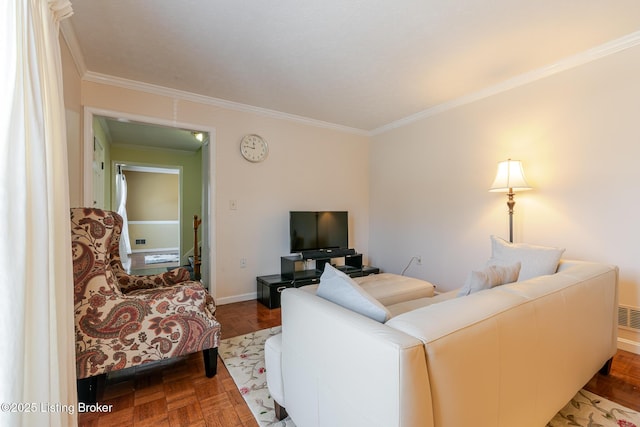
pixel 124 320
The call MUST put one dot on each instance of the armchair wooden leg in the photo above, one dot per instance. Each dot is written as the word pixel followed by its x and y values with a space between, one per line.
pixel 88 390
pixel 210 361
pixel 606 369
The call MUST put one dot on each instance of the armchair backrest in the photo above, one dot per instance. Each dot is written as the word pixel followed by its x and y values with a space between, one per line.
pixel 114 250
pixel 145 319
pixel 95 236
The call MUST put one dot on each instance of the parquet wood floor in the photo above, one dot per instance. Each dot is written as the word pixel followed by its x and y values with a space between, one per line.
pixel 177 393
pixel 622 385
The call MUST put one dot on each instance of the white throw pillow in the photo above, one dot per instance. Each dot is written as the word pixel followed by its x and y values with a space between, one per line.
pixel 338 288
pixel 535 260
pixel 493 275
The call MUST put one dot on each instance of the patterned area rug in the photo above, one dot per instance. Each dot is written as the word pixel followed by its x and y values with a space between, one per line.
pixel 588 409
pixel 244 358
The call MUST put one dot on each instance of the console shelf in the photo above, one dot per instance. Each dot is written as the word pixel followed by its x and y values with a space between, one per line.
pixel 292 266
pixel 293 272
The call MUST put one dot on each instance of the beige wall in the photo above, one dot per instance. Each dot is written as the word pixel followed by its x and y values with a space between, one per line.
pixel 156 235
pixel 308 167
pixel 578 136
pixel 153 199
pixel 159 190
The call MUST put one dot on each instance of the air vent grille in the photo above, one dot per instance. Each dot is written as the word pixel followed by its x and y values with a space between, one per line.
pixel 629 317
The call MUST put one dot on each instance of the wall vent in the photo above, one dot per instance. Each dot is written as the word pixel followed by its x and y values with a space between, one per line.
pixel 629 318
pixel 141 241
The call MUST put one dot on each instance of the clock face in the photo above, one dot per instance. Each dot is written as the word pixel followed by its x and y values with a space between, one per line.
pixel 254 148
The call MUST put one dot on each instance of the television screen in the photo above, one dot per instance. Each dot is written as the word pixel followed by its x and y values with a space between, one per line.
pixel 318 230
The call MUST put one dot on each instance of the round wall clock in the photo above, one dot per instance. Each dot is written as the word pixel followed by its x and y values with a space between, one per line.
pixel 254 148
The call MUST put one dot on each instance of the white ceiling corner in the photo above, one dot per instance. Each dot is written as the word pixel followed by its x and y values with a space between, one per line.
pixel 581 58
pixel 361 66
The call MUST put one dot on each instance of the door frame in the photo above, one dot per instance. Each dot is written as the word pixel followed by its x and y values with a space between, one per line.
pixel 208 175
pixel 98 198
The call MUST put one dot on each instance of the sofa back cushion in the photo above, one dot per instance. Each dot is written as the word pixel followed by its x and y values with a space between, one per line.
pixel 535 260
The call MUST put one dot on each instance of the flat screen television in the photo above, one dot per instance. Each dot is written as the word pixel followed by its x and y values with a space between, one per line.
pixel 318 230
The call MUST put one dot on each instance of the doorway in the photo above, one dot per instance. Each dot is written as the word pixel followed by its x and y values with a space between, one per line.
pixel 154 234
pixel 158 139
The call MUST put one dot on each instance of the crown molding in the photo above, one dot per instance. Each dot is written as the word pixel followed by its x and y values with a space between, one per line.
pixel 568 63
pixel 216 102
pixel 70 38
pixel 69 35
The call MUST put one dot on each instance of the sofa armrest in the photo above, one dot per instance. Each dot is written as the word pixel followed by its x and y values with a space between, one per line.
pixel 343 369
pixel 185 295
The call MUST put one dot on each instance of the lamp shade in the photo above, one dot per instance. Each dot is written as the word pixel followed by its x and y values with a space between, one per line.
pixel 510 176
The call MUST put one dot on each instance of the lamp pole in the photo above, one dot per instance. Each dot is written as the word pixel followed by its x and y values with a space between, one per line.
pixel 510 204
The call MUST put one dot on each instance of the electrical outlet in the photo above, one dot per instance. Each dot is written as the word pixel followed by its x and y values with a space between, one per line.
pixel 243 263
pixel 418 259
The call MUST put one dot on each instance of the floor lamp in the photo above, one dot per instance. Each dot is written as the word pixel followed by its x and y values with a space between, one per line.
pixel 510 178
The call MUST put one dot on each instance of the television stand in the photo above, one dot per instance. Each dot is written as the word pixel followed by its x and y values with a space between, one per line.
pixel 290 264
pixel 293 272
pixel 327 253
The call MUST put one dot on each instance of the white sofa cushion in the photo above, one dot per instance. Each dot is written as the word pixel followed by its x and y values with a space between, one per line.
pixel 492 275
pixel 406 306
pixel 535 260
pixel 339 288
pixel 391 289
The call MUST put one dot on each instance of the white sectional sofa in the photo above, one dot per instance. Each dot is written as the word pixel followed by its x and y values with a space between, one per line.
pixel 512 355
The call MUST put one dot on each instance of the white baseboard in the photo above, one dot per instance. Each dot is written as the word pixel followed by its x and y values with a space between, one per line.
pixel 137 251
pixel 628 345
pixel 236 298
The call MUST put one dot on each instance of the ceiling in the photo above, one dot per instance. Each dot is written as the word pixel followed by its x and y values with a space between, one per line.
pixel 125 132
pixel 360 64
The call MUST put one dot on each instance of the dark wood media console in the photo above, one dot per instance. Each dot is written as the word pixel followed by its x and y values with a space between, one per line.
pixel 294 275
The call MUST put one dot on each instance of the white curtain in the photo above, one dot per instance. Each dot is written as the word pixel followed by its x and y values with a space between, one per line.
pixel 121 203
pixel 37 356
